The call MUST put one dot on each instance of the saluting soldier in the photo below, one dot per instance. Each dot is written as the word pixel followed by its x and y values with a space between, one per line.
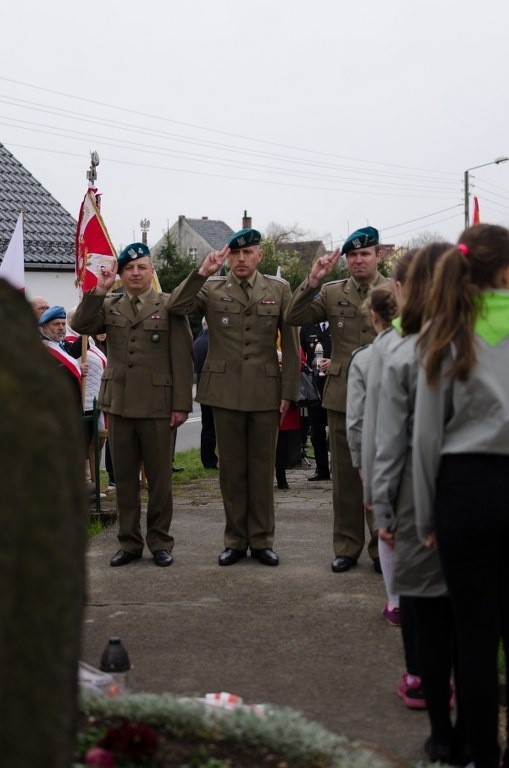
pixel 241 379
pixel 339 302
pixel 146 390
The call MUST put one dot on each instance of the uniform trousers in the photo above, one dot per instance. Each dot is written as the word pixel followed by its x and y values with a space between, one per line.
pixel 472 529
pixel 246 442
pixel 347 497
pixel 133 442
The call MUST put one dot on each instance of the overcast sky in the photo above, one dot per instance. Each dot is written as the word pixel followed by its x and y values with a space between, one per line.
pixel 326 114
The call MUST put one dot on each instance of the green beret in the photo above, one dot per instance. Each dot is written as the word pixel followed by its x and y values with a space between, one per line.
pixel 244 238
pixel 131 253
pixel 361 238
pixel 53 313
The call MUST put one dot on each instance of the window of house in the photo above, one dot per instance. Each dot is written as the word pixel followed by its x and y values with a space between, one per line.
pixel 192 253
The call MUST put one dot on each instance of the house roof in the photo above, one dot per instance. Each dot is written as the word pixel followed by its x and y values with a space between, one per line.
pixel 216 233
pixel 49 230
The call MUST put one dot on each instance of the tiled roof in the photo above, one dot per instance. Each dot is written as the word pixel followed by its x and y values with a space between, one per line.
pixel 215 233
pixel 49 230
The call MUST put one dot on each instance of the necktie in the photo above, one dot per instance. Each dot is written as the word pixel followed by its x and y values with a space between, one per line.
pixel 244 284
pixel 324 325
pixel 363 291
pixel 135 303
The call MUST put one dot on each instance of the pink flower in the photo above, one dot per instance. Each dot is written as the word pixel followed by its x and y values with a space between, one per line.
pixel 101 757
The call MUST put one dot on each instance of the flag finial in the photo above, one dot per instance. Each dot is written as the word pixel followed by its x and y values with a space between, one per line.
pixel 94 162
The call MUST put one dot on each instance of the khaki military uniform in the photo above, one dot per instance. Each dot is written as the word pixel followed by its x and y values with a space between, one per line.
pixel 149 374
pixel 339 302
pixel 242 380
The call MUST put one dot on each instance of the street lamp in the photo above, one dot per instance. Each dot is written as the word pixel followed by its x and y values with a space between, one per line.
pixel 497 161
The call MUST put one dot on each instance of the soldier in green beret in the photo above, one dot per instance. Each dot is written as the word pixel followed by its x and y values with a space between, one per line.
pixel 339 302
pixel 146 390
pixel 242 381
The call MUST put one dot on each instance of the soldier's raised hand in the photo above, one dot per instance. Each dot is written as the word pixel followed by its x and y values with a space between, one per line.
pixel 213 262
pixel 107 275
pixel 323 267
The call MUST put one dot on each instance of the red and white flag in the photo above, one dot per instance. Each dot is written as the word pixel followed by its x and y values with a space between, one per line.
pixel 476 218
pixel 12 267
pixel 93 245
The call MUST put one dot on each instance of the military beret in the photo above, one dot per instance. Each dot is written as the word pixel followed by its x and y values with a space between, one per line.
pixel 131 253
pixel 361 238
pixel 53 313
pixel 244 238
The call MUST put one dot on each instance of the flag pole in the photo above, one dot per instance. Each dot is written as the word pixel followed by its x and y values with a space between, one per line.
pixel 91 176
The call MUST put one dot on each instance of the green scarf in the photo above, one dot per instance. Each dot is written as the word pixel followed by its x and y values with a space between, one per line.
pixel 492 322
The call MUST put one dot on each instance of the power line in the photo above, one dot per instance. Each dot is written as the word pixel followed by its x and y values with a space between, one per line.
pixel 272 182
pixel 214 130
pixel 419 218
pixel 227 148
pixel 417 229
pixel 195 157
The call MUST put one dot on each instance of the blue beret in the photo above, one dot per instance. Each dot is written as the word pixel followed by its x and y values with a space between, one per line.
pixel 361 238
pixel 53 313
pixel 132 252
pixel 244 238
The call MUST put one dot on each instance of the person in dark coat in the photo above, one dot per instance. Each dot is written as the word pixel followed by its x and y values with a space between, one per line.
pixel 310 336
pixel 208 454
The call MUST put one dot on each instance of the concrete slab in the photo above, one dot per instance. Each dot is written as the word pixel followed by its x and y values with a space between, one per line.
pixel 297 635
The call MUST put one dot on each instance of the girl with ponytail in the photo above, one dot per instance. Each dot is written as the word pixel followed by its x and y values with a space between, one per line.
pixel 461 464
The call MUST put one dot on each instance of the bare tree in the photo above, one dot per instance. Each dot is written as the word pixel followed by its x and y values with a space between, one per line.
pixel 278 233
pixel 424 238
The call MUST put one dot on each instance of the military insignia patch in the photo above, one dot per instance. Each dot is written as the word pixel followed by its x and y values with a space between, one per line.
pixel 225 321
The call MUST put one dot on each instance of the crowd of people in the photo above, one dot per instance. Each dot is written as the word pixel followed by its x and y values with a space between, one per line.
pixel 413 375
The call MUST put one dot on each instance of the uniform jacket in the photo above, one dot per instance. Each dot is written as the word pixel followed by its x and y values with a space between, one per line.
pixel 150 360
pixel 241 371
pixel 339 303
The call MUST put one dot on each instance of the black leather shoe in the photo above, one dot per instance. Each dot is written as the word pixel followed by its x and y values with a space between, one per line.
pixel 265 556
pixel 283 485
pixel 177 469
pixel 163 557
pixel 318 476
pixel 343 563
pixel 231 556
pixel 123 558
pixel 377 565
